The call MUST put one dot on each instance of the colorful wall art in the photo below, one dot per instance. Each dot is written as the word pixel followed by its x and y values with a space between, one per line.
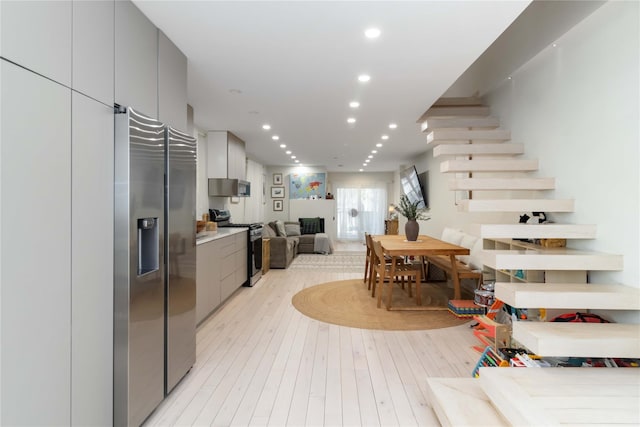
pixel 307 185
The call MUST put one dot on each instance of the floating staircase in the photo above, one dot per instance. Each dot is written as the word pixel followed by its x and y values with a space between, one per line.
pixel 536 397
pixel 470 141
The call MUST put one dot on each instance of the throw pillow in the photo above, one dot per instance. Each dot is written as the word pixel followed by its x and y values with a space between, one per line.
pixel 268 232
pixel 292 228
pixel 310 225
pixel 280 228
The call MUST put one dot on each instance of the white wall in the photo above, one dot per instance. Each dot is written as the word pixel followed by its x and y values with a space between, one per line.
pixel 576 108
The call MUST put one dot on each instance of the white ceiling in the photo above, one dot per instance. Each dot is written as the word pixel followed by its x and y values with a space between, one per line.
pixel 296 66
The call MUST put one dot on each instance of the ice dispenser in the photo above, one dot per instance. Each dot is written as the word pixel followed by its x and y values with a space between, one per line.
pixel 148 245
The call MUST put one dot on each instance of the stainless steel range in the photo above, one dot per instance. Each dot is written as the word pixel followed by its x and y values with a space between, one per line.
pixel 254 243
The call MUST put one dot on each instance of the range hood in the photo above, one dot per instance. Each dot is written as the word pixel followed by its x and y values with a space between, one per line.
pixel 229 187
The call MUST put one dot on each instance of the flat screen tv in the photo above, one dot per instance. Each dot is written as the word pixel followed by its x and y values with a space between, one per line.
pixel 414 187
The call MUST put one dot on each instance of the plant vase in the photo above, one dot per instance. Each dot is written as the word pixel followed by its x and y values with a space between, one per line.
pixel 411 230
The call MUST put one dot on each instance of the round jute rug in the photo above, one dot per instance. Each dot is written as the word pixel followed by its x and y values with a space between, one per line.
pixel 349 303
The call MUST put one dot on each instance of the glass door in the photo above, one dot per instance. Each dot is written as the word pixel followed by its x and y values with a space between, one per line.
pixel 360 210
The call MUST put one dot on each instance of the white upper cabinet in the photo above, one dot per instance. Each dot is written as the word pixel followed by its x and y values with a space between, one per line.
pixel 93 49
pixel 172 84
pixel 236 162
pixel 136 60
pixel 226 156
pixel 217 154
pixel 37 35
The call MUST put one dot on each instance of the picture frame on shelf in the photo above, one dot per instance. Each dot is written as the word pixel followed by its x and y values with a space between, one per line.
pixel 277 192
pixel 277 205
pixel 277 179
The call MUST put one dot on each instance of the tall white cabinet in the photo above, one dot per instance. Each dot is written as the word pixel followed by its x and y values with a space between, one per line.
pixel 35 229
pixel 62 67
pixel 91 261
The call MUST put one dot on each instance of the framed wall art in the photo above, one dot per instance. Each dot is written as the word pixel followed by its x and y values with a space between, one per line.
pixel 277 179
pixel 277 192
pixel 307 185
pixel 277 205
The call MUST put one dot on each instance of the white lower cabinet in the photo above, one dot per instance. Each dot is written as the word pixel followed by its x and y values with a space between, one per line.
pixel 219 271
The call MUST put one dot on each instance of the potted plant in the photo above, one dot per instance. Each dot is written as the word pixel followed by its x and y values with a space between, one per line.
pixel 413 213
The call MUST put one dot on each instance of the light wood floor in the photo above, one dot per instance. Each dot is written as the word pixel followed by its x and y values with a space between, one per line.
pixel 260 362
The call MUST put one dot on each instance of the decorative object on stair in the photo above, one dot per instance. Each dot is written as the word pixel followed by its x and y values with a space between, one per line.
pixel 347 303
pixel 412 212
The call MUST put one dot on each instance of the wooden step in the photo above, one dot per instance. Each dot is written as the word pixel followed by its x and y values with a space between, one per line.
pixel 569 295
pixel 478 150
pixel 551 259
pixel 432 123
pixel 489 165
pixel 564 396
pixel 579 339
pixel 516 205
pixel 457 101
pixel 462 402
pixel 453 111
pixel 536 231
pixel 461 136
pixel 478 184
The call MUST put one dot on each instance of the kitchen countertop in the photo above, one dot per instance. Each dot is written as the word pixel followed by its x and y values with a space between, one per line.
pixel 210 236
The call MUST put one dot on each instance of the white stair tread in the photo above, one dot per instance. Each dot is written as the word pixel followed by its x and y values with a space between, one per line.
pixel 512 149
pixel 551 259
pixel 537 231
pixel 455 111
pixel 461 122
pixel 579 339
pixel 564 396
pixel 475 184
pixel 456 101
pixel 569 295
pixel 489 165
pixel 461 402
pixel 516 205
pixel 441 136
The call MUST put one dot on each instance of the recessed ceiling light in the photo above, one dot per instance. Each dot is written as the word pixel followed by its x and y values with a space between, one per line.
pixel 266 127
pixel 374 151
pixel 554 45
pixel 297 161
pixel 275 137
pixel 287 152
pixel 372 33
pixel 351 120
pixel 368 160
pixel 364 78
pixel 385 137
pixel 379 144
pixel 354 104
pixel 370 156
pixel 364 164
pixel 283 145
pixel 293 157
pixel 392 125
pixel 360 170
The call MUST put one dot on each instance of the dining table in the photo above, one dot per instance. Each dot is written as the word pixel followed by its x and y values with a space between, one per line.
pixel 397 245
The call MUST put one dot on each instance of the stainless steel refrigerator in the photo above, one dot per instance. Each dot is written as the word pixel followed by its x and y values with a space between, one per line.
pixel 154 265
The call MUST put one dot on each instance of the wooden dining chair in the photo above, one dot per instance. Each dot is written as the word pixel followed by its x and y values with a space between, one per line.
pixel 383 271
pixel 372 259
